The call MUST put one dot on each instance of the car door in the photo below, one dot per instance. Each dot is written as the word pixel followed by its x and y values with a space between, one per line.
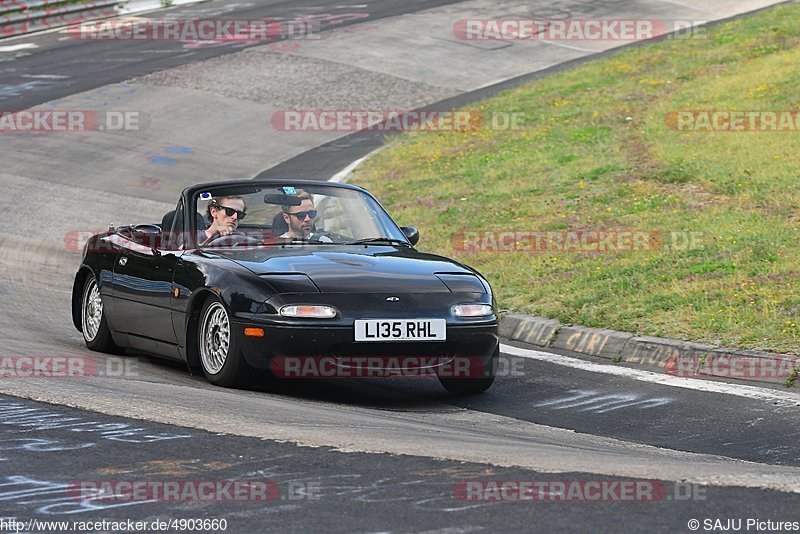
pixel 143 292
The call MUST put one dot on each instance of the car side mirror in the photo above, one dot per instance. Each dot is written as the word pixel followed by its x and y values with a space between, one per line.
pixel 147 235
pixel 411 233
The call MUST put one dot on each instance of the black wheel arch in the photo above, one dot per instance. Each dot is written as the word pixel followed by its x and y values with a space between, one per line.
pixel 77 294
pixel 196 302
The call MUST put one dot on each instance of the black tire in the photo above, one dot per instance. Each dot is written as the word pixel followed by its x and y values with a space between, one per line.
pixel 94 325
pixel 472 386
pixel 218 347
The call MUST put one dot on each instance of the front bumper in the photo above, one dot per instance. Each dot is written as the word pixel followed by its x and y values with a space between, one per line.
pixel 473 344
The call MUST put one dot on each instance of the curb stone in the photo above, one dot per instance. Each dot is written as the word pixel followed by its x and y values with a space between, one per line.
pixel 593 341
pixel 782 365
pixel 534 330
pixel 661 351
pixel 680 358
pixel 57 21
pixel 129 7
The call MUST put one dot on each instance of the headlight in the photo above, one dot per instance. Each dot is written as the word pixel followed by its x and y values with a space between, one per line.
pixel 310 312
pixel 472 310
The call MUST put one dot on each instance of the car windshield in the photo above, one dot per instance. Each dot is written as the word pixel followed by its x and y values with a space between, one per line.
pixel 293 213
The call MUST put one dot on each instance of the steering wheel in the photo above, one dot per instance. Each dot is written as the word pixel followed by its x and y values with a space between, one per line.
pixel 330 237
pixel 232 239
pixel 314 237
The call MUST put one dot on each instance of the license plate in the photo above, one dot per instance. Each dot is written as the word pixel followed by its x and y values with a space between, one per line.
pixel 401 330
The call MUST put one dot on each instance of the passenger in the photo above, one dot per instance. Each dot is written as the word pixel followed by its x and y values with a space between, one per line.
pixel 300 219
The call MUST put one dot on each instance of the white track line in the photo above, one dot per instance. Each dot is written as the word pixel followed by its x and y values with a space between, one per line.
pixel 341 175
pixel 21 46
pixel 750 392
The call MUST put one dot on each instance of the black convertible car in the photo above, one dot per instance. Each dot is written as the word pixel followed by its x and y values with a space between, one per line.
pixel 274 274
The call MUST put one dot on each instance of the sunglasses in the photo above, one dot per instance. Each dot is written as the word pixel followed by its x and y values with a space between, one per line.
pixel 301 215
pixel 230 211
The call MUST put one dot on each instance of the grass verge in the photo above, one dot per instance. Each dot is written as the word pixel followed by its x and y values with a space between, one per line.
pixel 595 152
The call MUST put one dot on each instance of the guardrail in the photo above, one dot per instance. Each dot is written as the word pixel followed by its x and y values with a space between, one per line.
pixel 24 16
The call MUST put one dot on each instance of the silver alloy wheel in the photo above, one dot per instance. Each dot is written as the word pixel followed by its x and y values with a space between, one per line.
pixel 215 337
pixel 92 311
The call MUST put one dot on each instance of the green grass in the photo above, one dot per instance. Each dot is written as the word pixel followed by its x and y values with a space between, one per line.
pixel 596 153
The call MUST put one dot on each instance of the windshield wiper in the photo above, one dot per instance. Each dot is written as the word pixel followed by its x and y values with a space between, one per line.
pixel 380 241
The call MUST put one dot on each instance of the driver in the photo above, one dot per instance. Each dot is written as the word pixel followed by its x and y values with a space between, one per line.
pixel 300 219
pixel 225 214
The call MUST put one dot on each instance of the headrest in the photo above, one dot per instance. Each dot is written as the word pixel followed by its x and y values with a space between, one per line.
pixel 166 221
pixel 279 226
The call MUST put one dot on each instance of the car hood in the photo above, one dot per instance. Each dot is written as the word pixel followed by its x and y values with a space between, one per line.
pixel 359 269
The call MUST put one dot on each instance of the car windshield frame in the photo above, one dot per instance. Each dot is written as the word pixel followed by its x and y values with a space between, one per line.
pixel 372 213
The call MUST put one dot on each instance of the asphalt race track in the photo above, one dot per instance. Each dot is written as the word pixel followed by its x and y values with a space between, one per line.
pixel 367 455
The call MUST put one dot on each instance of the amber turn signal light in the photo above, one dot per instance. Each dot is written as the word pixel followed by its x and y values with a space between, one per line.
pixel 254 332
